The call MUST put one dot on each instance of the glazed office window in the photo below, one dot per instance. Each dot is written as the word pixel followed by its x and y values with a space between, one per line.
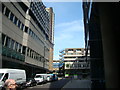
pixel 7 44
pixel 78 49
pixel 29 31
pixel 39 58
pixel 19 23
pixel 3 39
pixel 15 20
pixel 11 16
pixel 31 53
pixel 19 49
pixel 7 11
pixel 16 46
pixel 36 56
pixel 3 8
pixel 26 29
pixel 28 51
pixel 31 34
pixel 22 27
pixel 70 49
pixel 24 50
pixel 12 44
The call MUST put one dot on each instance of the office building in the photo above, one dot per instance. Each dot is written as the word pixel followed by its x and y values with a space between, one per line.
pixel 51 36
pixel 56 66
pixel 26 36
pixel 75 61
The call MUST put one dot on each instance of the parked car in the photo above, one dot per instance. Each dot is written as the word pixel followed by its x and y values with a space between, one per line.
pixel 38 78
pixel 49 77
pixel 53 77
pixel 44 76
pixel 31 82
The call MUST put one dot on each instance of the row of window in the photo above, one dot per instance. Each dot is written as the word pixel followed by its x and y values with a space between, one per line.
pixel 74 61
pixel 72 57
pixel 75 49
pixel 55 65
pixel 40 14
pixel 17 22
pixel 14 45
pixel 76 65
pixel 37 13
pixel 74 54
pixel 31 53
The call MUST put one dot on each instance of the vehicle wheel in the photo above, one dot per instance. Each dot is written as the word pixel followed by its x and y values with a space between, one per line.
pixel 31 85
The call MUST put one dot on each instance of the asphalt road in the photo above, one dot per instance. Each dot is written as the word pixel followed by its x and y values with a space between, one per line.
pixel 50 85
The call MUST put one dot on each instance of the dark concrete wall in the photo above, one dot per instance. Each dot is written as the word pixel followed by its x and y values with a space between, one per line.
pixel 109 21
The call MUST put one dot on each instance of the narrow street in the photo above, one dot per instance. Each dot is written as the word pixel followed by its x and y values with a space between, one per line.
pixel 51 85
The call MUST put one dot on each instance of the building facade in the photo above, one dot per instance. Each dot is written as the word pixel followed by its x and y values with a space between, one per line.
pixel 101 23
pixel 25 36
pixel 56 64
pixel 51 35
pixel 75 61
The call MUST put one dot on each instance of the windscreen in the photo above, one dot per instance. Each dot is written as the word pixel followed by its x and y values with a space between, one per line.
pixel 1 74
pixel 38 76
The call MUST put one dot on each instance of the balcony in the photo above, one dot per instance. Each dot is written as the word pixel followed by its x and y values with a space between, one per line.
pixel 12 54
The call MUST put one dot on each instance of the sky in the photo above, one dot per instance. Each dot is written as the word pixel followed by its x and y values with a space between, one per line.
pixel 69 29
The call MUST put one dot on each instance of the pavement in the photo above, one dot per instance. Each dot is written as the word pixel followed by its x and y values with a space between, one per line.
pixel 77 83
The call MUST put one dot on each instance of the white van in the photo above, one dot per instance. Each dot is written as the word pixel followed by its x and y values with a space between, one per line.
pixel 18 75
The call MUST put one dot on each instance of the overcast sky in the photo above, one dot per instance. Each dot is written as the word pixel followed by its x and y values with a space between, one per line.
pixel 69 30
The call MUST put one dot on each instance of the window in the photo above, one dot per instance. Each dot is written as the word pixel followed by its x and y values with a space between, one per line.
pixel 22 27
pixel 16 46
pixel 39 58
pixel 29 31
pixel 3 39
pixel 11 16
pixel 15 20
pixel 27 51
pixel 7 44
pixel 31 34
pixel 5 77
pixel 19 23
pixel 26 29
pixel 24 50
pixel 32 54
pixel 3 7
pixel 78 49
pixel 12 44
pixel 70 49
pixel 20 46
pixel 7 12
